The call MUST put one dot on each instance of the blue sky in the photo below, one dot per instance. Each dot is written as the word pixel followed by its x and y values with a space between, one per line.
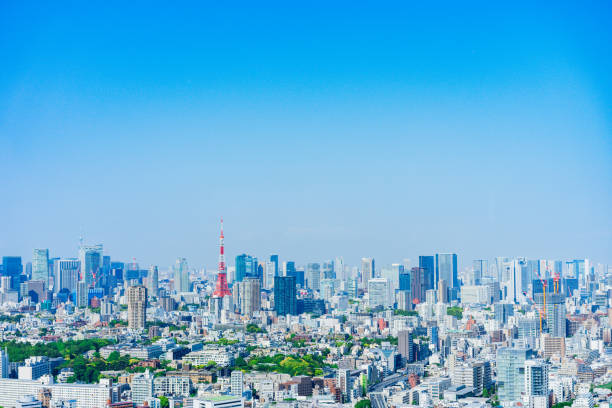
pixel 316 130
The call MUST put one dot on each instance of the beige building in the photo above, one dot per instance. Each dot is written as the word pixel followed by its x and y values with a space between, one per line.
pixel 137 307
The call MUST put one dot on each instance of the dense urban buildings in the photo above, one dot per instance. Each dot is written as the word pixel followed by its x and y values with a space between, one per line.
pixel 511 332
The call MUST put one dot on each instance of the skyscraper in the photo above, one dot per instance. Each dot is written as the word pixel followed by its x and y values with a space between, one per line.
pixel 40 266
pixel 249 293
pixel 339 268
pixel 536 384
pixel 153 281
pixel 270 273
pixel 181 275
pixel 313 276
pixel 418 286
pixel 13 267
pixel 285 300
pixel 274 260
pixel 90 257
pixel 428 264
pixel 66 273
pixel 446 269
pixel 246 265
pixel 367 271
pixel 137 307
pixel 442 291
pixel 481 269
pixel 555 312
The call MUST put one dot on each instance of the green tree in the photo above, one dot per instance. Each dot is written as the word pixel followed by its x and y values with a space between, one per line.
pixel 366 403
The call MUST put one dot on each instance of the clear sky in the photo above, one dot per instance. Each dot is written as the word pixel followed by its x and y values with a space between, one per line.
pixel 388 129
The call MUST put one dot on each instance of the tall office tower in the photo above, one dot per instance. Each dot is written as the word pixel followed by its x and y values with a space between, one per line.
pixel 288 268
pixel 446 269
pixel 339 268
pixel 313 276
pixel 40 266
pixel 237 383
pixel 246 266
pixel 142 388
pixel 503 311
pixel 66 273
pixel 153 281
pixel 250 296
pixel 367 271
pixel 555 312
pixel 405 345
pixel 285 300
pixel 221 288
pixel 428 263
pixel 578 269
pixel 418 286
pixel 442 291
pixel 510 364
pixel 345 384
pixel 380 292
pixel 511 273
pixel 270 273
pixel 274 259
pixel 404 280
pixel 536 379
pixel 328 270
pixel 431 297
pixel 328 288
pixel 181 275
pixel 82 293
pixel 12 267
pixel 90 257
pixel 137 307
pixel 4 363
pixel 481 269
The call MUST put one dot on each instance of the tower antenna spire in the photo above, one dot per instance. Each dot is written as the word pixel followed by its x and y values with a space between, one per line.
pixel 221 288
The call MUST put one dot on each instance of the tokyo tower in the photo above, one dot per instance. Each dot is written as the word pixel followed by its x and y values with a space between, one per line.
pixel 221 289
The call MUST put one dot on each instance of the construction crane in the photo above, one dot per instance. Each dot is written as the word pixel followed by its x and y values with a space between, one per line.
pixel 544 284
pixel 540 310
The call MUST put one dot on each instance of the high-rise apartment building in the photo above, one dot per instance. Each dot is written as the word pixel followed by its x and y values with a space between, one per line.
pixel 40 266
pixel 446 269
pixel 137 307
pixel 237 383
pixel 418 285
pixel 142 387
pixel 285 300
pixel 405 345
pixel 536 394
pixel 249 293
pixel 4 363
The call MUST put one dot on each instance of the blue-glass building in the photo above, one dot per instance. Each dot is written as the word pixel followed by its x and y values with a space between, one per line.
pixel 285 299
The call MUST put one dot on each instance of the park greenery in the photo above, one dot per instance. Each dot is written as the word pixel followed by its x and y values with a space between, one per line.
pixel 294 365
pixel 67 349
pixel 366 403
pixel 455 311
pixel 399 312
pixel 366 342
pixel 253 328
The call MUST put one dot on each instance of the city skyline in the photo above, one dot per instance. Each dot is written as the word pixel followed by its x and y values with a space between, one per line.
pixel 387 132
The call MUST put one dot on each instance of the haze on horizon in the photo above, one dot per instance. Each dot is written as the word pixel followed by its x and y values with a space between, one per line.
pixel 316 131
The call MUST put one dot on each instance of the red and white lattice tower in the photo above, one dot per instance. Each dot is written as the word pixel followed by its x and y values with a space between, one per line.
pixel 221 289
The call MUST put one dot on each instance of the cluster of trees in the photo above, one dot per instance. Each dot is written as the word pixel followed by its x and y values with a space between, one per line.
pixel 309 364
pixel 399 312
pixel 11 319
pixel 253 328
pixel 455 311
pixel 365 341
pixel 67 349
